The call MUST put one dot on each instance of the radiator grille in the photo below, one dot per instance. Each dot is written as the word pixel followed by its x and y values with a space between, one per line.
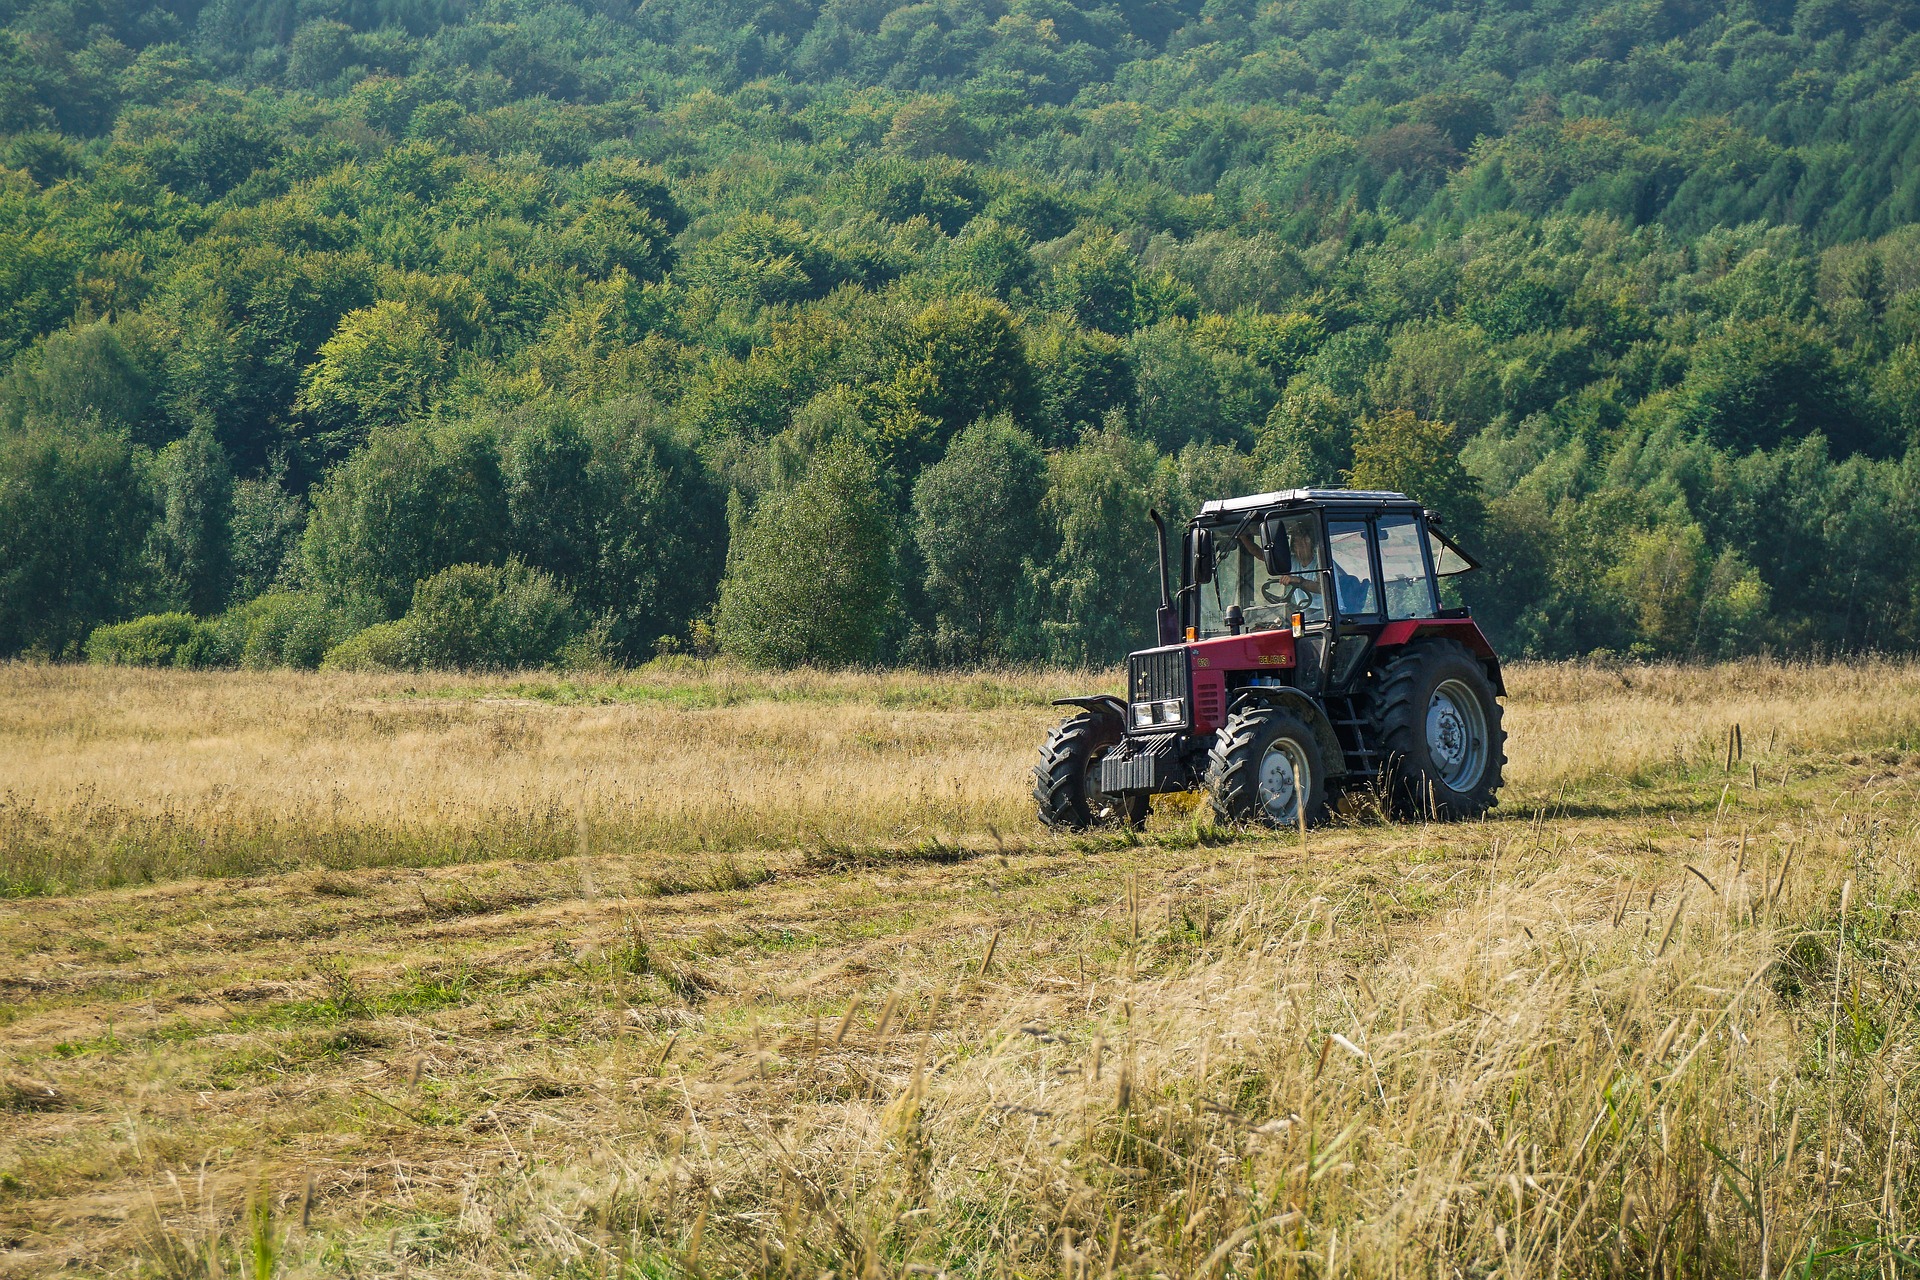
pixel 1156 675
pixel 1208 702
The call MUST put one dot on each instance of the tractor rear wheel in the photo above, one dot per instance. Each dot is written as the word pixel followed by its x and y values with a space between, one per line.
pixel 1066 782
pixel 1433 713
pixel 1266 767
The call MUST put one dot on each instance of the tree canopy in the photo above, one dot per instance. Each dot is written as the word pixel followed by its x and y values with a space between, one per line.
pixel 310 301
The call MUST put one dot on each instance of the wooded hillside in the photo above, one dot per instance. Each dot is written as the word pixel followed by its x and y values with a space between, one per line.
pixel 423 332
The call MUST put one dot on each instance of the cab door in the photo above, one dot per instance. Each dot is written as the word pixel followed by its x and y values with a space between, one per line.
pixel 1359 609
pixel 1303 596
pixel 1406 579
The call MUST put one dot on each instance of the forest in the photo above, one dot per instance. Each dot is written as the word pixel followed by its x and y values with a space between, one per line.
pixel 497 333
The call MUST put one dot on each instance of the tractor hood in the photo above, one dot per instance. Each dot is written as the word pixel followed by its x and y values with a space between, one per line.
pixel 1196 675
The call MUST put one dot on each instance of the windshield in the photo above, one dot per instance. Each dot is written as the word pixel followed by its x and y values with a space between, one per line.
pixel 1267 601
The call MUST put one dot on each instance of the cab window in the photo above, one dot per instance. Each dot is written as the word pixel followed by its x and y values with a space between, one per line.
pixel 1267 601
pixel 1448 559
pixel 1354 587
pixel 1302 591
pixel 1403 569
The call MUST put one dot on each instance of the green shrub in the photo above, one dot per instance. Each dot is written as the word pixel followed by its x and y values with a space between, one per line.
pixel 488 616
pixel 284 629
pixel 157 640
pixel 385 646
pixel 211 645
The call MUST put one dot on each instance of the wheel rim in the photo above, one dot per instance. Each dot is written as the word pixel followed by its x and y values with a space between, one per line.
pixel 1457 735
pixel 1284 780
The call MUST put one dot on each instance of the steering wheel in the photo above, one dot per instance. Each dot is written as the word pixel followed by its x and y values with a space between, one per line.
pixel 1294 597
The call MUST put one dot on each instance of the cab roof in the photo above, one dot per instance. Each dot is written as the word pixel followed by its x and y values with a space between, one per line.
pixel 1285 497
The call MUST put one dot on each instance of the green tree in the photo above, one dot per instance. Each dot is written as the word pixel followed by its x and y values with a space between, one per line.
pixel 156 640
pixel 194 538
pixel 976 519
pixel 623 509
pixel 1200 473
pixel 487 617
pixel 1101 586
pixel 86 371
pixel 994 258
pixel 412 502
pixel 1306 439
pixel 1442 373
pixel 1082 376
pixel 382 367
pixel 280 629
pixel 242 318
pixel 930 126
pixel 266 526
pixel 1685 598
pixel 810 577
pixel 1097 285
pixel 320 50
pixel 1662 576
pixel 612 233
pixel 1763 382
pixel 964 359
pixel 1190 393
pixel 763 260
pixel 74 513
pixel 944 191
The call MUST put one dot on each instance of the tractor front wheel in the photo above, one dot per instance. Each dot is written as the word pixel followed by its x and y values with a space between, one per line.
pixel 1434 714
pixel 1267 767
pixel 1066 782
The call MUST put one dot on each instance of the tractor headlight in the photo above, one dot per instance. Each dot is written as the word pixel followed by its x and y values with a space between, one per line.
pixel 1167 711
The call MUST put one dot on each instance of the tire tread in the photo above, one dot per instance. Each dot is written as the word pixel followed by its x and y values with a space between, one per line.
pixel 1060 776
pixel 1396 724
pixel 1233 767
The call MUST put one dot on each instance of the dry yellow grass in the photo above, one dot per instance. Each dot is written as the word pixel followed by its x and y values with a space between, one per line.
pixel 114 776
pixel 1652 1020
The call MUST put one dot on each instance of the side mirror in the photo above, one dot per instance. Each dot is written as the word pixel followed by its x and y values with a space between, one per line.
pixel 1275 548
pixel 1202 548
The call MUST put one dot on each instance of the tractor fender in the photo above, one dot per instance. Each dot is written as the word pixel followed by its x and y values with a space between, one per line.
pixel 1307 709
pixel 1101 704
pixel 1464 630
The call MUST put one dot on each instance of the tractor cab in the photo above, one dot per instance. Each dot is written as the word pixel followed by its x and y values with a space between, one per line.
pixel 1324 565
pixel 1306 623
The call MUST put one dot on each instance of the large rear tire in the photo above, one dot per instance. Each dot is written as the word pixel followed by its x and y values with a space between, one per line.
pixel 1436 719
pixel 1265 766
pixel 1066 782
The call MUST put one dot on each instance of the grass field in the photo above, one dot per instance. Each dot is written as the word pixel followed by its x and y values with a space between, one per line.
pixel 698 972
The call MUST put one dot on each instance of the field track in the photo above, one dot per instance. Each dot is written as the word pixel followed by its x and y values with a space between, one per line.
pixel 492 984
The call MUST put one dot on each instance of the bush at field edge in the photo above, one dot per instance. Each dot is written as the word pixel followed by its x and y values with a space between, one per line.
pixel 156 640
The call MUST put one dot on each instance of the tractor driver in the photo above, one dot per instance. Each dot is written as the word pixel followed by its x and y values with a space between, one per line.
pixel 1306 576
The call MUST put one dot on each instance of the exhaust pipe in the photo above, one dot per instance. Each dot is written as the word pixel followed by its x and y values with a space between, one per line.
pixel 1167 622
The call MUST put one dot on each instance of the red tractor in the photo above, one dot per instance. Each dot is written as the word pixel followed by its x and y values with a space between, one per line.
pixel 1304 657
